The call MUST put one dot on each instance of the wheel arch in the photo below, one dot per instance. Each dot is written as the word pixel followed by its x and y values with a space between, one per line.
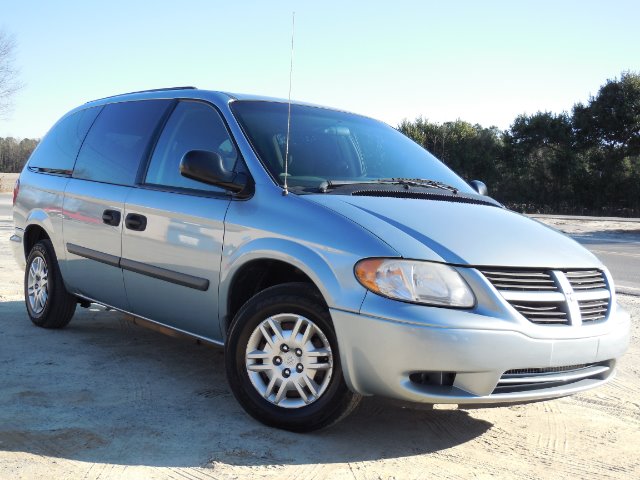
pixel 34 232
pixel 267 262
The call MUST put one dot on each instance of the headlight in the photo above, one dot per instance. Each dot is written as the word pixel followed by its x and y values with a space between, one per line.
pixel 414 281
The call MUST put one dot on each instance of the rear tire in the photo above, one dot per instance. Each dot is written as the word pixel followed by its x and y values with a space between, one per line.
pixel 49 305
pixel 283 363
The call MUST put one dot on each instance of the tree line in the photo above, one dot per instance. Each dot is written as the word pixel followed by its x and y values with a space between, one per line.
pixel 14 153
pixel 583 162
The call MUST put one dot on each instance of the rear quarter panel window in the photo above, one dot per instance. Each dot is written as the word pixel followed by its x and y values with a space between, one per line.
pixel 118 140
pixel 58 150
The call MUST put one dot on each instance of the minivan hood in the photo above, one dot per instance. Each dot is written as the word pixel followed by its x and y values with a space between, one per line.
pixel 460 233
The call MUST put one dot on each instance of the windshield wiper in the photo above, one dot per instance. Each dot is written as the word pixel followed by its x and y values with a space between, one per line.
pixel 419 182
pixel 406 182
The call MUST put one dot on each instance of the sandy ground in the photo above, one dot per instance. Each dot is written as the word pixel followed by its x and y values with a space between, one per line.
pixel 611 228
pixel 106 399
pixel 7 181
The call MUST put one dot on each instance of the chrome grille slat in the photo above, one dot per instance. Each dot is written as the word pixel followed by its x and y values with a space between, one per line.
pixel 544 296
pixel 520 280
pixel 593 310
pixel 585 279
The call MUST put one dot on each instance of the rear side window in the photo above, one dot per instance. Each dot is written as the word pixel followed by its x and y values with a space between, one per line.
pixel 192 126
pixel 118 140
pixel 58 150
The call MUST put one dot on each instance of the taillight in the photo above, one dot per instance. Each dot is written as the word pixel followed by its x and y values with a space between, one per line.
pixel 16 189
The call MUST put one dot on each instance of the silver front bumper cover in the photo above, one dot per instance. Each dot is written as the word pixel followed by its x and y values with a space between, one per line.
pixel 379 355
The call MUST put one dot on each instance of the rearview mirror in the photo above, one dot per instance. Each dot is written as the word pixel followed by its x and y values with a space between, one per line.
pixel 208 167
pixel 479 187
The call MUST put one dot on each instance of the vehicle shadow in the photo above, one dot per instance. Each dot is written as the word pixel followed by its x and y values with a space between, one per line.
pixel 105 390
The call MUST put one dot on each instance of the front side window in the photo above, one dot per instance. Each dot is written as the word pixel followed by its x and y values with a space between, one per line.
pixel 328 145
pixel 192 126
pixel 118 140
pixel 58 150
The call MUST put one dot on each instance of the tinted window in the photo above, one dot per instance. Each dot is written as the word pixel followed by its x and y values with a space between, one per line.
pixel 58 150
pixel 116 143
pixel 192 126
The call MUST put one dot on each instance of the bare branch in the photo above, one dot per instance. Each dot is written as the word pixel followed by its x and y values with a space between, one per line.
pixel 9 74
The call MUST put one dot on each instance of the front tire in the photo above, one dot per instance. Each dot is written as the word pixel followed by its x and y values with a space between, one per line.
pixel 283 363
pixel 49 305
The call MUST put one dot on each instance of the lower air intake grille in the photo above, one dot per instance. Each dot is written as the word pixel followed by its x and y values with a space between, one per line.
pixel 526 379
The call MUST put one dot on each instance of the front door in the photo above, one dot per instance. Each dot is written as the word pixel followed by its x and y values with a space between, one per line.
pixel 174 228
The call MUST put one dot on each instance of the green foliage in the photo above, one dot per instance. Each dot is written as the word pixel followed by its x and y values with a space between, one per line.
pixel 15 153
pixel 587 162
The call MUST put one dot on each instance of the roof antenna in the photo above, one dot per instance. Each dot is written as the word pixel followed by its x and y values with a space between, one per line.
pixel 285 190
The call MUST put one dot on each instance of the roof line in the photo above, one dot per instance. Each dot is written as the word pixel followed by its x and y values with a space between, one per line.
pixel 144 91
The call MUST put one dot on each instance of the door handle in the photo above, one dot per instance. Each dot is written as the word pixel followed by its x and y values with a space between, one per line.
pixel 134 221
pixel 111 217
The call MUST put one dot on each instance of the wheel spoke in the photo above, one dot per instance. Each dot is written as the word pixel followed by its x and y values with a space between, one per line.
pixel 319 352
pixel 266 335
pixel 311 385
pixel 269 389
pixel 260 367
pixel 276 329
pixel 38 305
pixel 296 328
pixel 319 366
pixel 43 297
pixel 301 392
pixel 258 355
pixel 282 391
pixel 307 333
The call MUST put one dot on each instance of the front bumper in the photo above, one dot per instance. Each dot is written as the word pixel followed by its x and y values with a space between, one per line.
pixel 384 357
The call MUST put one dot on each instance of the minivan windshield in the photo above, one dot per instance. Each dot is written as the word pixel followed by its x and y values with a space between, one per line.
pixel 332 146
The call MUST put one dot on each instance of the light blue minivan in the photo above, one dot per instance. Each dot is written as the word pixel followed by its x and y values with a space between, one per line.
pixel 330 255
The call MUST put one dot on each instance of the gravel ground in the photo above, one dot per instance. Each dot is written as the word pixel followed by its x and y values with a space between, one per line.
pixel 108 399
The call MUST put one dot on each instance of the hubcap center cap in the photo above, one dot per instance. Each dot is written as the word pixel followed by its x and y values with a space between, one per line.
pixel 289 359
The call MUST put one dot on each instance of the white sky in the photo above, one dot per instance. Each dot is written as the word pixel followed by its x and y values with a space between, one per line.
pixel 484 62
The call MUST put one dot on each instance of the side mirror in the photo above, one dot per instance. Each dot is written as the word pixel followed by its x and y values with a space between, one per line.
pixel 479 187
pixel 208 167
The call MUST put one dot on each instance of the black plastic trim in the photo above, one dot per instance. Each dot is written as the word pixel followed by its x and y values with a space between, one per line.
pixel 178 278
pixel 94 255
pixel 52 171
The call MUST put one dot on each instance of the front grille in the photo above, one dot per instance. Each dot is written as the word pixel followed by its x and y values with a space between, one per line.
pixel 521 280
pixel 553 297
pixel 584 280
pixel 593 310
pixel 527 379
pixel 543 312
